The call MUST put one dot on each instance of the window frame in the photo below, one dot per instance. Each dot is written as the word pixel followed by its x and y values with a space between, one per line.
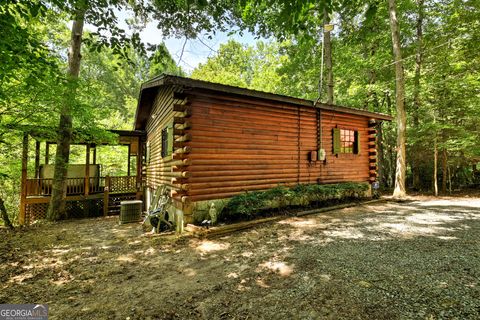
pixel 347 141
pixel 339 146
pixel 166 140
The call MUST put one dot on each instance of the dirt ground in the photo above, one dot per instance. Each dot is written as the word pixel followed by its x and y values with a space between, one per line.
pixel 418 259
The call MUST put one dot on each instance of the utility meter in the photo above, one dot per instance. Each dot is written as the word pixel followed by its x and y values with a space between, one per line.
pixel 321 154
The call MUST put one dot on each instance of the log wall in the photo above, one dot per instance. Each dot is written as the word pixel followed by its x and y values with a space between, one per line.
pixel 162 171
pixel 243 144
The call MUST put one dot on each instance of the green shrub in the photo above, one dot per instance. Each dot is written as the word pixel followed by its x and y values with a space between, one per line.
pixel 250 205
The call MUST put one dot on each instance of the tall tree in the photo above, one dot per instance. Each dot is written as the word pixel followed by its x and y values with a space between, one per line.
pixel 400 190
pixel 56 208
pixel 328 56
pixel 188 20
pixel 417 88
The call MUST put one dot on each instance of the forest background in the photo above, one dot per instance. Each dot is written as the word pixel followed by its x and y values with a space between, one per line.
pixel 441 64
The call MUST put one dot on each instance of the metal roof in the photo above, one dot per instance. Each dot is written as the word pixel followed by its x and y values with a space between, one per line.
pixel 166 79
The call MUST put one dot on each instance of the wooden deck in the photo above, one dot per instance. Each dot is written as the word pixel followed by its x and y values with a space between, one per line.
pixel 101 195
pixel 83 186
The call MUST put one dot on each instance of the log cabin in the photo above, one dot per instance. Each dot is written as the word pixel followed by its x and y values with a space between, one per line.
pixel 206 141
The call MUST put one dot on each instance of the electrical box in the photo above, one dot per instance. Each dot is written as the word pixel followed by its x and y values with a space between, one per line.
pixel 321 154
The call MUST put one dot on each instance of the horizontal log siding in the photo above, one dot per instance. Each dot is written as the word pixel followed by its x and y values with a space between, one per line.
pixel 344 167
pixel 159 170
pixel 243 145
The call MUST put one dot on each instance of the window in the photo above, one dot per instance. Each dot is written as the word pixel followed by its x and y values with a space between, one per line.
pixel 147 152
pixel 167 140
pixel 164 142
pixel 346 141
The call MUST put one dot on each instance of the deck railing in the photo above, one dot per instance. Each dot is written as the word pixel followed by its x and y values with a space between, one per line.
pixel 76 186
pixel 96 184
pixel 122 184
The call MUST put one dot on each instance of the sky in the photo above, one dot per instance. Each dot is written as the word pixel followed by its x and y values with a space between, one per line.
pixel 196 50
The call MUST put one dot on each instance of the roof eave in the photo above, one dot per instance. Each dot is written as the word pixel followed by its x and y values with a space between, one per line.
pixel 166 79
pixel 369 114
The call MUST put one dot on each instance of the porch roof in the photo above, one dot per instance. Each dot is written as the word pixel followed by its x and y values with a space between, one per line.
pixel 81 136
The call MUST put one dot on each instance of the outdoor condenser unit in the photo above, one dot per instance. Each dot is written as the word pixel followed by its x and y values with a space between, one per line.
pixel 130 211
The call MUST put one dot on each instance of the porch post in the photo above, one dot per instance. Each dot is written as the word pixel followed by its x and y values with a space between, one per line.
pixel 105 196
pixel 87 170
pixel 94 154
pixel 139 168
pixel 23 185
pixel 37 159
pixel 128 165
pixel 47 152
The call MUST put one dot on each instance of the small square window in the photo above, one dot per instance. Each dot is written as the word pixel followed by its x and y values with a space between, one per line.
pixel 347 141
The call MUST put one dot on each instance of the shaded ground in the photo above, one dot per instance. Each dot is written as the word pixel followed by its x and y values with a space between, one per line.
pixel 419 259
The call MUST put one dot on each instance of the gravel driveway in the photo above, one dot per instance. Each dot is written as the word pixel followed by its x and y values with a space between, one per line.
pixel 413 260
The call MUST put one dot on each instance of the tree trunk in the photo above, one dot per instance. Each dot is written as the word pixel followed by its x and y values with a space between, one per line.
pixel 56 208
pixel 435 166
pixel 5 217
pixel 390 153
pixel 328 59
pixel 444 171
pixel 416 93
pixel 449 170
pixel 370 51
pixel 399 191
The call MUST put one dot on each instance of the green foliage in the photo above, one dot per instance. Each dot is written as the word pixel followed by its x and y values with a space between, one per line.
pixel 244 66
pixel 35 38
pixel 190 17
pixel 250 205
pixel 364 73
pixel 162 62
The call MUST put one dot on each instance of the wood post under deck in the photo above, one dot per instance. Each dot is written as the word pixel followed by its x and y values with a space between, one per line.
pixel 87 170
pixel 106 196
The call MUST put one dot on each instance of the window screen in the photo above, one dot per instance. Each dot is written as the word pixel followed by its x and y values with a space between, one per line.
pixel 347 140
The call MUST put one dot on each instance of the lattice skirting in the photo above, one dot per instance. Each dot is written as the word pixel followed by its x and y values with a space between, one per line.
pixel 114 202
pixel 35 211
pixel 75 209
